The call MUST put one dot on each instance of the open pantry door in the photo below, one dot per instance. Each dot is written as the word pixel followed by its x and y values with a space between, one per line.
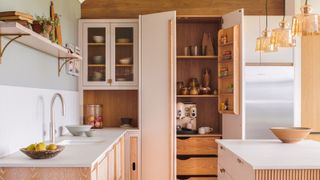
pixel 158 53
pixel 233 119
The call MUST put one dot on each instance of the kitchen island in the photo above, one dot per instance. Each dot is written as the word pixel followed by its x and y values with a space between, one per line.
pixel 268 160
pixel 98 157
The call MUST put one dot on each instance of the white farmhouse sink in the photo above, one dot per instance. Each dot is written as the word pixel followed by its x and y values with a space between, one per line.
pixel 80 142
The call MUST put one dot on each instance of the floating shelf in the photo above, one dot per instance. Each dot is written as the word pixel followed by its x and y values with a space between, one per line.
pixel 197 57
pixel 96 44
pixel 124 44
pixel 197 96
pixel 34 40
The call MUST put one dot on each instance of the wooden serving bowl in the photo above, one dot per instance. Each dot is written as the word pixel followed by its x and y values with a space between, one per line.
pixel 47 154
pixel 291 134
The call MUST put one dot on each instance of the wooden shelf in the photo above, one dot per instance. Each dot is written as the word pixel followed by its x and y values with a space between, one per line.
pixel 197 96
pixel 124 44
pixel 226 61
pixel 34 40
pixel 226 94
pixel 124 65
pixel 226 77
pixel 96 65
pixel 227 44
pixel 197 57
pixel 199 135
pixel 96 44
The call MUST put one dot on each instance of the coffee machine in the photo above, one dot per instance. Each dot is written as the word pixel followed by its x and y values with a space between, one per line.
pixel 187 115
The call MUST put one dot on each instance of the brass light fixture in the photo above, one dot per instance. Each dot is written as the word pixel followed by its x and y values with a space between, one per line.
pixel 282 36
pixel 264 42
pixel 306 23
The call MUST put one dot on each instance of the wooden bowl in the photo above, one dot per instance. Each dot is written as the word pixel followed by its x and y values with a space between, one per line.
pixel 291 134
pixel 42 154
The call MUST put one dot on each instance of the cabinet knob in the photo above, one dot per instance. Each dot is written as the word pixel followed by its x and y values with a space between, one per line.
pixel 222 170
pixel 110 81
pixel 239 160
pixel 221 147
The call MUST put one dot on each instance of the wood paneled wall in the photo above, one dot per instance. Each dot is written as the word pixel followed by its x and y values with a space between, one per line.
pixel 100 9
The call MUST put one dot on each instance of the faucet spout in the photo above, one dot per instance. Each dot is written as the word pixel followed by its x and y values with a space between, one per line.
pixel 52 118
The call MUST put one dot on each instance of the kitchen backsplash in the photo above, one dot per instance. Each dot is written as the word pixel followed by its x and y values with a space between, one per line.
pixel 25 115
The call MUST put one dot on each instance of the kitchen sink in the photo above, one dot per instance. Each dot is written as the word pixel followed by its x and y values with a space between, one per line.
pixel 80 142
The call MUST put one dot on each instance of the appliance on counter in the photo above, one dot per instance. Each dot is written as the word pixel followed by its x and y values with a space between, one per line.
pixel 186 117
pixel 269 100
pixel 126 122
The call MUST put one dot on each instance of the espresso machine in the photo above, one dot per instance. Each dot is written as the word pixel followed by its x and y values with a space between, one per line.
pixel 186 117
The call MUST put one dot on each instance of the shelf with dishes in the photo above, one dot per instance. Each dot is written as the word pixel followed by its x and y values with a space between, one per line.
pixel 197 57
pixel 198 96
pixel 96 44
pixel 124 44
pixel 96 65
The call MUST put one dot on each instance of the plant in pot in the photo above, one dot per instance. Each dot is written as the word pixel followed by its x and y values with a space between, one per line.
pixel 44 26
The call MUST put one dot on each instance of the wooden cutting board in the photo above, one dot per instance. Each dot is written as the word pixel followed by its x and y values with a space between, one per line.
pixel 15 13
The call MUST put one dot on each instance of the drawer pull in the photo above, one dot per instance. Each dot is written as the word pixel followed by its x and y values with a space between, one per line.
pixel 183 157
pixel 221 147
pixel 133 166
pixel 222 170
pixel 183 138
pixel 239 161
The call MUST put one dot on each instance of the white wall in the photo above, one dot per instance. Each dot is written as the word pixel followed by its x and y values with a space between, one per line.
pixel 28 79
pixel 25 115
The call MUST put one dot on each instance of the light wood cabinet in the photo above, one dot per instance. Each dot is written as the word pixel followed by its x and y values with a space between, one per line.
pixel 132 156
pixel 110 50
pixel 190 166
pixel 197 146
pixel 111 165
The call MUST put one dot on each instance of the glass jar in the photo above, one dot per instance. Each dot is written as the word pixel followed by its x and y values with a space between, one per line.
pixel 93 115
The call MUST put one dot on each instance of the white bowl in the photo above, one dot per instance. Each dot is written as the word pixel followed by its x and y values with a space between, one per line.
pixel 98 59
pixel 98 39
pixel 123 40
pixel 125 60
pixel 78 130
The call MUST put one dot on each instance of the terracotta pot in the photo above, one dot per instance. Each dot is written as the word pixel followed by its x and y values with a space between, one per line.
pixel 36 27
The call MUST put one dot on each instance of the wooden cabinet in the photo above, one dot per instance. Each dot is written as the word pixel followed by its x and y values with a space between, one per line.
pixel 111 165
pixel 190 166
pixel 110 50
pixel 197 146
pixel 119 160
pixel 132 166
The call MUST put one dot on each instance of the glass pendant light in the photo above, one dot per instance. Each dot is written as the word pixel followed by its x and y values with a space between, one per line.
pixel 282 36
pixel 264 43
pixel 306 23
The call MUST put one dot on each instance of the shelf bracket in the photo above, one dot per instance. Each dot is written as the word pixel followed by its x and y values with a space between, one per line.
pixel 7 44
pixel 61 64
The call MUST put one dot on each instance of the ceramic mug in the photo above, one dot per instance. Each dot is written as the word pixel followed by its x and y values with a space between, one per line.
pixel 208 129
pixel 202 130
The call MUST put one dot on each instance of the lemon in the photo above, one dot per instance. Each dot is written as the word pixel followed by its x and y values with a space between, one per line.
pixel 31 147
pixel 41 147
pixel 51 147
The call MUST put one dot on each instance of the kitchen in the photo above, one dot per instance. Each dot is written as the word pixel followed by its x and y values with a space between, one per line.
pixel 202 74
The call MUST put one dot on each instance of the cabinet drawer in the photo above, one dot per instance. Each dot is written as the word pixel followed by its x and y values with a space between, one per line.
pixel 199 178
pixel 234 165
pixel 223 174
pixel 197 166
pixel 196 146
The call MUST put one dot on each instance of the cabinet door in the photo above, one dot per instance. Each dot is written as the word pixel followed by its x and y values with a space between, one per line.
pixel 124 54
pixel 103 169
pixel 157 100
pixel 111 165
pixel 232 124
pixel 118 160
pixel 283 55
pixel 132 155
pixel 96 54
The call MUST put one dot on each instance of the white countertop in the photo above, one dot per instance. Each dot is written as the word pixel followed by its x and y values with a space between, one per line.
pixel 272 154
pixel 73 155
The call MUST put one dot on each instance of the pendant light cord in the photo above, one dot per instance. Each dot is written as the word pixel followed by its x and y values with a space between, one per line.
pixel 284 9
pixel 306 3
pixel 266 15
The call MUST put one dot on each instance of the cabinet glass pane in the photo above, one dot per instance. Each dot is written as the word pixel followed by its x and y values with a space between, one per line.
pixel 96 54
pixel 124 54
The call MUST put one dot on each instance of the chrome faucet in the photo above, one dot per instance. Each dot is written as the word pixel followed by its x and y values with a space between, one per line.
pixel 52 120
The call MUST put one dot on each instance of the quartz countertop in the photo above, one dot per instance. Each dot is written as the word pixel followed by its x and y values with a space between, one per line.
pixel 272 154
pixel 79 155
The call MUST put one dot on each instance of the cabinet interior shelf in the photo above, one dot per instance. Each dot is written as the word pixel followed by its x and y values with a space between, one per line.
pixel 197 96
pixel 197 57
pixel 35 40
pixel 227 94
pixel 96 65
pixel 96 44
pixel 124 44
pixel 227 44
pixel 200 135
pixel 124 65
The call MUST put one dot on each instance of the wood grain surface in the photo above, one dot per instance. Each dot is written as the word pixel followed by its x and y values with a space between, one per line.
pixel 91 9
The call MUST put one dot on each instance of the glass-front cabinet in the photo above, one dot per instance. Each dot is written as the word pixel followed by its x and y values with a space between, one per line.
pixel 110 51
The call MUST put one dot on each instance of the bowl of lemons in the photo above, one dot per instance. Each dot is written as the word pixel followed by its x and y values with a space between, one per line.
pixel 42 151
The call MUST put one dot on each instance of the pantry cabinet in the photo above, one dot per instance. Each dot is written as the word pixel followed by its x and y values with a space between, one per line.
pixel 110 50
pixel 132 168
